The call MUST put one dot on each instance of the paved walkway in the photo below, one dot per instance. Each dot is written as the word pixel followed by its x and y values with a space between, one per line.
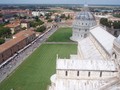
pixel 60 43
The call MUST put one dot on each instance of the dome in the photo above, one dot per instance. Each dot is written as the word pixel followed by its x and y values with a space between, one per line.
pixel 84 20
pixel 85 15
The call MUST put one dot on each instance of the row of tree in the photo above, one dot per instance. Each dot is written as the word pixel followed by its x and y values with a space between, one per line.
pixel 116 15
pixel 63 16
pixel 36 23
pixel 105 22
pixel 115 25
pixel 2 41
pixel 4 33
pixel 48 16
pixel 41 29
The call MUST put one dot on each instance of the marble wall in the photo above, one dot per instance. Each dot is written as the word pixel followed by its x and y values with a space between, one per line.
pixel 81 74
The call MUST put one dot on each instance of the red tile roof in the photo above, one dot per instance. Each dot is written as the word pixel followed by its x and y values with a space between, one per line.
pixel 19 37
pixel 12 25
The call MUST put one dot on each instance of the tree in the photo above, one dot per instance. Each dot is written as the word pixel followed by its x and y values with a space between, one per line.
pixel 116 15
pixel 23 17
pixel 37 22
pixel 116 25
pixel 1 15
pixel 68 16
pixel 41 29
pixel 24 28
pixel 48 15
pixel 2 25
pixel 50 20
pixel 15 15
pixel 32 24
pixel 40 22
pixel 2 41
pixel 36 18
pixel 104 21
pixel 62 16
pixel 5 32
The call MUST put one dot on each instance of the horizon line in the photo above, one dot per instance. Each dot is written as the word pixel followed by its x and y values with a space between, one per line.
pixel 52 4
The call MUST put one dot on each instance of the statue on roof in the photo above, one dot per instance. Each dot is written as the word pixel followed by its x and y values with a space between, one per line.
pixel 85 8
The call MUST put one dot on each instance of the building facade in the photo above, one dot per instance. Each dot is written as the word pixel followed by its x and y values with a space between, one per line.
pixel 14 27
pixel 19 41
pixel 25 24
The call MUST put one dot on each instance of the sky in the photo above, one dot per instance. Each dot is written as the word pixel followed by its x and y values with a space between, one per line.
pixel 113 2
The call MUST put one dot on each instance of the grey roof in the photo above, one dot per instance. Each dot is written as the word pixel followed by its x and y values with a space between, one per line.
pixel 103 37
pixel 85 15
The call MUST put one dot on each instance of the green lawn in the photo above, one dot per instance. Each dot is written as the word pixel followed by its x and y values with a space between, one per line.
pixel 34 73
pixel 61 35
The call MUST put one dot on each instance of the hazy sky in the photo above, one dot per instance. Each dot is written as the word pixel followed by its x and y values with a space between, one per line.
pixel 60 2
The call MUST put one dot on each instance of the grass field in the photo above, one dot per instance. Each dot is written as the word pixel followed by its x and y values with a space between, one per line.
pixel 34 73
pixel 61 35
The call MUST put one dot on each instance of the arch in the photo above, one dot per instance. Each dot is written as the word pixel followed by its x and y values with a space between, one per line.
pixel 66 73
pixel 85 35
pixel 114 55
pixel 77 73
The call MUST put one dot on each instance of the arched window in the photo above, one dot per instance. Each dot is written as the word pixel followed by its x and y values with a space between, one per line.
pixel 77 73
pixel 114 55
pixel 100 73
pixel 88 74
pixel 66 73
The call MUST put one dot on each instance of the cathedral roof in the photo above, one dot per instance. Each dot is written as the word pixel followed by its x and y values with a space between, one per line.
pixel 104 38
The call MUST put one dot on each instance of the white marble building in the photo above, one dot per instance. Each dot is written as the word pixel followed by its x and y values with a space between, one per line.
pixel 84 20
pixel 95 67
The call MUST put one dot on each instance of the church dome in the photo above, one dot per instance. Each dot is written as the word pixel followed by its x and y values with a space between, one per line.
pixel 85 15
pixel 84 20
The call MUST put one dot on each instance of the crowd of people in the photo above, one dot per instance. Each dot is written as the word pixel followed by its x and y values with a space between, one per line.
pixel 21 55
